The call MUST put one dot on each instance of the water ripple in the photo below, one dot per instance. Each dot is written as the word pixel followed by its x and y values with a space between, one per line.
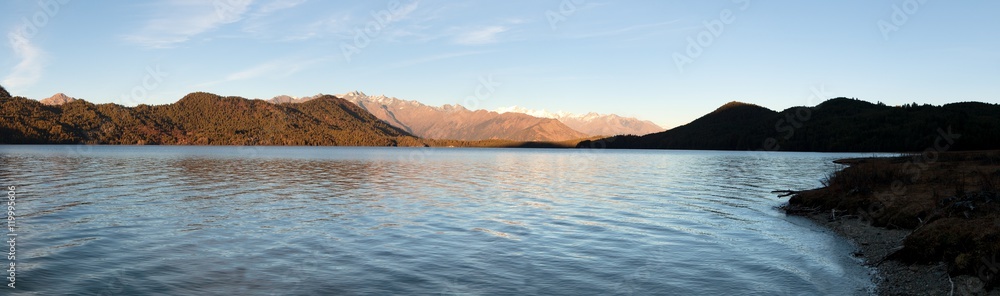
pixel 302 221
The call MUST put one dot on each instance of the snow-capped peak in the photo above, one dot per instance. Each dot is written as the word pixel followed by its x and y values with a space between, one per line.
pixel 592 123
pixel 536 113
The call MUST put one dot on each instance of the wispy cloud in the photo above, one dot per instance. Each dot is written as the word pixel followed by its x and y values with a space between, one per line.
pixel 343 24
pixel 403 21
pixel 278 68
pixel 277 5
pixel 624 31
pixel 262 19
pixel 29 70
pixel 435 58
pixel 483 35
pixel 402 12
pixel 182 19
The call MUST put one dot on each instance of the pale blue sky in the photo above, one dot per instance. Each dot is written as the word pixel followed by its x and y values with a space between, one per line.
pixel 568 55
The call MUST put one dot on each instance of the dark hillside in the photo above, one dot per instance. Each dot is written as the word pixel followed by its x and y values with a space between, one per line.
pixel 837 125
pixel 199 119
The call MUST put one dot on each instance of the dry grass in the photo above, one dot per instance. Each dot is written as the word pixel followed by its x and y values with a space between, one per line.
pixel 864 179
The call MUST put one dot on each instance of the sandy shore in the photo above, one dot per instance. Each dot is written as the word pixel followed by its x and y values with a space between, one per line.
pixel 875 244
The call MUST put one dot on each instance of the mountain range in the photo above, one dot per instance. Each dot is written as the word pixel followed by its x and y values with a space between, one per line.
pixel 455 122
pixel 458 123
pixel 592 123
pixel 836 125
pixel 198 119
pixel 445 123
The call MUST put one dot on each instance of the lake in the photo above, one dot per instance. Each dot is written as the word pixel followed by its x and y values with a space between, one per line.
pixel 189 220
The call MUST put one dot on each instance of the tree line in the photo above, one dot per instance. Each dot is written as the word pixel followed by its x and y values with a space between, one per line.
pixel 197 119
pixel 836 125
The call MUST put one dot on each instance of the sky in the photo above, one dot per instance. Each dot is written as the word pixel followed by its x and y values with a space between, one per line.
pixel 665 61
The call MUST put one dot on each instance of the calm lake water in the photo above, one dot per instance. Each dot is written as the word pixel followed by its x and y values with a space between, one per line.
pixel 125 220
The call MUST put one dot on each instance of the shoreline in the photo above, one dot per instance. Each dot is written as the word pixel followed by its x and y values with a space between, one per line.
pixel 926 232
pixel 874 244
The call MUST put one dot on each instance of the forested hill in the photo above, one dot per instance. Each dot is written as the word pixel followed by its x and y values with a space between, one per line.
pixel 197 119
pixel 837 125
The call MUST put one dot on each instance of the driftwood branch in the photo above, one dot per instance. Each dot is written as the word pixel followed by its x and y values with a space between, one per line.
pixel 799 210
pixel 784 193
